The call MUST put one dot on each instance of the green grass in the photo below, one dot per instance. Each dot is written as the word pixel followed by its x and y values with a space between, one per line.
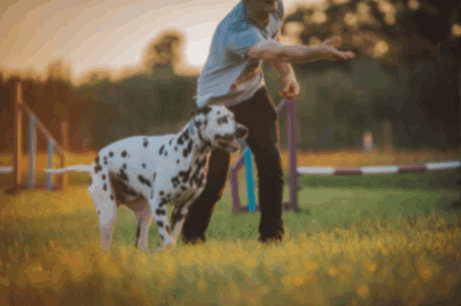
pixel 326 202
pixel 50 240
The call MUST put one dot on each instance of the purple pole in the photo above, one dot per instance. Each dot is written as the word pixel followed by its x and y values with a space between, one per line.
pixel 234 184
pixel 291 114
pixel 233 173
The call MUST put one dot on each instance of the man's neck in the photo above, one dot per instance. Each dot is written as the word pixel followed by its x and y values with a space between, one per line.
pixel 259 18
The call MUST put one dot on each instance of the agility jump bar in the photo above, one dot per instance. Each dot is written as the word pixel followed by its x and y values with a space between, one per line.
pixel 393 169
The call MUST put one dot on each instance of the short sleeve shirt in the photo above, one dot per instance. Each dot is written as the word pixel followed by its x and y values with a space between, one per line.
pixel 230 76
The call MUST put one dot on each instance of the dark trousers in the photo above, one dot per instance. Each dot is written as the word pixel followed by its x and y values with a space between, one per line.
pixel 259 115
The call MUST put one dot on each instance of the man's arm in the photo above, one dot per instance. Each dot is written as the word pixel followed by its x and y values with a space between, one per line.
pixel 291 87
pixel 275 52
pixel 285 71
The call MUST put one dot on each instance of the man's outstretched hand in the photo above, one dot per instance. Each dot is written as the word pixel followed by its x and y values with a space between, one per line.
pixel 328 51
pixel 328 48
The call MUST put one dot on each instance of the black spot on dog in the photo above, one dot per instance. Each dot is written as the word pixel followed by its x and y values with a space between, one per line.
pixel 124 166
pixel 160 212
pixel 144 165
pixel 166 153
pixel 161 150
pixel 161 237
pixel 99 212
pixel 183 187
pixel 183 137
pixel 146 143
pixel 104 187
pixel 175 181
pixel 154 176
pixel 187 150
pixel 112 197
pixel 103 176
pixel 222 120
pixel 123 175
pixel 177 161
pixel 163 202
pixel 200 180
pixel 124 154
pixel 160 223
pixel 176 149
pixel 105 160
pixel 219 112
pixel 185 175
pixel 202 110
pixel 161 192
pixel 171 140
pixel 111 154
pixel 198 175
pixel 144 181
pixel 97 167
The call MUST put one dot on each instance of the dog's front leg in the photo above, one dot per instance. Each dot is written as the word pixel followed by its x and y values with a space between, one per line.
pixel 158 209
pixel 178 217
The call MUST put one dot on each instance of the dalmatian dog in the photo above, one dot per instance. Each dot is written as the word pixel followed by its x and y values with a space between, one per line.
pixel 147 173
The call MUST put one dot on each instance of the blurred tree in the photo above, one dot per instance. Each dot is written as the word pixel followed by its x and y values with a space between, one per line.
pixel 165 51
pixel 410 36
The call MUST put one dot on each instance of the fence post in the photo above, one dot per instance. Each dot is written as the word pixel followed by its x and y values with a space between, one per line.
pixel 17 154
pixel 32 148
pixel 50 163
pixel 65 147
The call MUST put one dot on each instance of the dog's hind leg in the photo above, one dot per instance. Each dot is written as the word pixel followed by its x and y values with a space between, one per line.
pixel 101 191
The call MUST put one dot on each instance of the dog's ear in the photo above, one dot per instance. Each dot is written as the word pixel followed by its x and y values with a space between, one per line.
pixel 202 110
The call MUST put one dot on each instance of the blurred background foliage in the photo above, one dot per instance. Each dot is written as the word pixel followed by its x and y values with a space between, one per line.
pixel 403 86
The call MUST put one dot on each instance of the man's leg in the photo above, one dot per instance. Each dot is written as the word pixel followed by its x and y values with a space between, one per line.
pixel 260 116
pixel 201 209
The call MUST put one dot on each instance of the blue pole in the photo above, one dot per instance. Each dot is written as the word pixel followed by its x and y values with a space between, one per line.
pixel 31 152
pixel 250 180
pixel 50 163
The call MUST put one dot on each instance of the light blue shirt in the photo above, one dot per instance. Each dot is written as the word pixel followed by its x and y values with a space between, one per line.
pixel 227 60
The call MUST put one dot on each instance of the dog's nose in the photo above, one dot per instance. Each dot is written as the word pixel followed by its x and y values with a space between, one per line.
pixel 241 131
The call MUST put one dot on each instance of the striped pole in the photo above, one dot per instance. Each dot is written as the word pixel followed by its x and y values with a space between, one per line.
pixel 50 163
pixel 250 180
pixel 32 147
pixel 393 169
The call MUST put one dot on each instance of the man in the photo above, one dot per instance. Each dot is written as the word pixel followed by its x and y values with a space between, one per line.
pixel 233 76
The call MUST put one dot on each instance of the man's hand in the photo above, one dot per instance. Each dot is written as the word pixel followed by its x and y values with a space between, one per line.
pixel 291 89
pixel 291 86
pixel 328 50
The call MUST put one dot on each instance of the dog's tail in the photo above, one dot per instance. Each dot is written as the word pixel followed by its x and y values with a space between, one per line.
pixel 79 168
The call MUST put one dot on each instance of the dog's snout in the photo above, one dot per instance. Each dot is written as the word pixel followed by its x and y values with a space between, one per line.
pixel 241 131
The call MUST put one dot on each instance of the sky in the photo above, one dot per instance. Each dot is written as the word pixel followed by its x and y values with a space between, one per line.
pixel 98 33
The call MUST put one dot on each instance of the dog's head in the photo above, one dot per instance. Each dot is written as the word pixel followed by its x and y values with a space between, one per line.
pixel 217 126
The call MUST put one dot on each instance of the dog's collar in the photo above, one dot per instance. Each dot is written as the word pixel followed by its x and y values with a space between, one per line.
pixel 193 129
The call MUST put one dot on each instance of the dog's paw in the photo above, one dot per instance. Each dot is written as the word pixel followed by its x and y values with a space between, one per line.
pixel 164 247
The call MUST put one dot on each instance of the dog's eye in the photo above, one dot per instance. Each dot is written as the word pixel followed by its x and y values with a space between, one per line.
pixel 223 120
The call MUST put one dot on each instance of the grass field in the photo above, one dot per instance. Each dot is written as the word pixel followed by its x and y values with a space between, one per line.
pixel 360 240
